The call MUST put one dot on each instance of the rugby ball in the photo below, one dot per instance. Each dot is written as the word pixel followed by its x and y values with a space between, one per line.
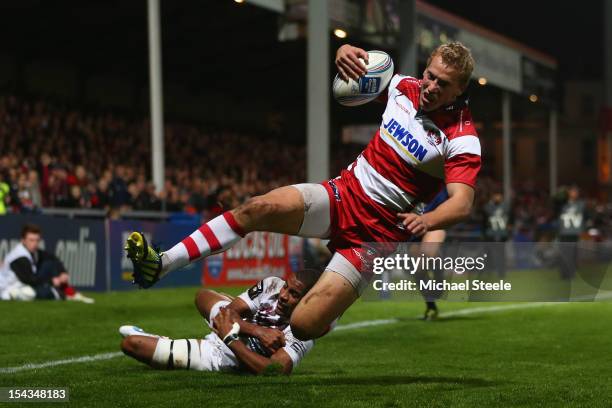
pixel 369 86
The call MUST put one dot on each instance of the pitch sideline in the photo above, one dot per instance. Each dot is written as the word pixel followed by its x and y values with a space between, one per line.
pixel 349 326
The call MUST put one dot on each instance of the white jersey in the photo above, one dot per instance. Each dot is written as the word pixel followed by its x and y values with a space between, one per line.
pixel 7 276
pixel 261 299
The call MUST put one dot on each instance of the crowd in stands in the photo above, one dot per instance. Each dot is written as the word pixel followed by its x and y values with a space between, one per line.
pixel 54 156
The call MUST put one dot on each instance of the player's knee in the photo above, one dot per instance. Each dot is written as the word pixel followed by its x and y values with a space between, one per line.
pixel 305 328
pixel 205 300
pixel 256 208
pixel 200 301
pixel 129 345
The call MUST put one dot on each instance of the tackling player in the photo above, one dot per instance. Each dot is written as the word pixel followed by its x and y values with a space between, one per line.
pixel 251 331
pixel 430 246
pixel 426 139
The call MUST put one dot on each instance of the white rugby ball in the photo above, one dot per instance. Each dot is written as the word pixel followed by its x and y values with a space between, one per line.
pixel 369 86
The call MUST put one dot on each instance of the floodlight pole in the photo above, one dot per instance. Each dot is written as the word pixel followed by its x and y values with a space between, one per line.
pixel 318 82
pixel 552 150
pixel 507 146
pixel 605 144
pixel 155 83
pixel 608 53
pixel 407 39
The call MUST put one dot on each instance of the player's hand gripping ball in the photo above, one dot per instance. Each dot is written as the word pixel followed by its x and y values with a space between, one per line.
pixel 379 71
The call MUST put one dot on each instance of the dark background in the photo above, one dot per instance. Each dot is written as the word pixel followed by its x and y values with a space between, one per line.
pixel 223 53
pixel 569 31
pixel 222 37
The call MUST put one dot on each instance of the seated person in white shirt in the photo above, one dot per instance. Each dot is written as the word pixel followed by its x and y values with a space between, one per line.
pixel 29 272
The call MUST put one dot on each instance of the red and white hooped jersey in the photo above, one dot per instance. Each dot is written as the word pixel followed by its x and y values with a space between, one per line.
pixel 414 152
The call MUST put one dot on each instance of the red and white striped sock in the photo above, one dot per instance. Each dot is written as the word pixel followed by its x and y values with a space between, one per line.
pixel 217 235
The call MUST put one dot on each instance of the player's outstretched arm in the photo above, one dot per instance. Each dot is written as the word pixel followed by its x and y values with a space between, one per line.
pixel 348 63
pixel 279 362
pixel 456 209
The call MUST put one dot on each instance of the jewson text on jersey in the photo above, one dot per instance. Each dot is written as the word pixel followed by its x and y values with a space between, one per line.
pixel 406 139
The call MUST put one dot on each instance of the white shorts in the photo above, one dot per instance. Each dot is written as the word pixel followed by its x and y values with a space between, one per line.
pixel 317 224
pixel 216 356
pixel 340 265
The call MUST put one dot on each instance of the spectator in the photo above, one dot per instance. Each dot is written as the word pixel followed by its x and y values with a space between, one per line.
pixel 34 187
pixel 497 227
pixel 5 189
pixel 572 219
pixel 29 273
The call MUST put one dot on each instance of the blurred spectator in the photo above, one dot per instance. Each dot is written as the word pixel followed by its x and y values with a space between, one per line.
pixel 34 188
pixel 75 198
pixel 5 190
pixel 29 273
pixel 99 196
pixel 572 219
pixel 497 216
pixel 24 193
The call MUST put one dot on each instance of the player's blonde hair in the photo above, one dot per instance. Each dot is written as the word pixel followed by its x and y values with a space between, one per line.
pixel 457 56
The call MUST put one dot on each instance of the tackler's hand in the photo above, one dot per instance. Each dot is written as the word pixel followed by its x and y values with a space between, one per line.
pixel 271 339
pixel 223 322
pixel 414 223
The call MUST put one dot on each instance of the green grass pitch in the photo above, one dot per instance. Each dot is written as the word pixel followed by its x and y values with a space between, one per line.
pixel 557 355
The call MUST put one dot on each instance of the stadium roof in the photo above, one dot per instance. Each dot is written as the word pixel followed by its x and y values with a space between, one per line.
pixel 208 47
pixel 463 23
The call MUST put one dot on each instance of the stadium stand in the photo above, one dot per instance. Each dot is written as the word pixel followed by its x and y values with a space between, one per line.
pixel 52 155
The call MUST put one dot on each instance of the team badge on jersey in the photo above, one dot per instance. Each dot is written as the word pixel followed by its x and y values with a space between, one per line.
pixel 433 137
pixel 256 290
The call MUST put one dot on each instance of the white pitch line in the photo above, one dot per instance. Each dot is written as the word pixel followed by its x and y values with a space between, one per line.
pixel 349 326
pixel 460 312
pixel 365 323
pixel 84 359
pixel 500 308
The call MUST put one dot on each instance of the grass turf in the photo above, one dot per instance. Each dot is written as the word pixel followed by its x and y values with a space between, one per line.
pixel 542 356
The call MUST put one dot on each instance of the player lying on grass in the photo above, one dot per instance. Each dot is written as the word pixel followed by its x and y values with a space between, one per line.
pixel 426 140
pixel 251 331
